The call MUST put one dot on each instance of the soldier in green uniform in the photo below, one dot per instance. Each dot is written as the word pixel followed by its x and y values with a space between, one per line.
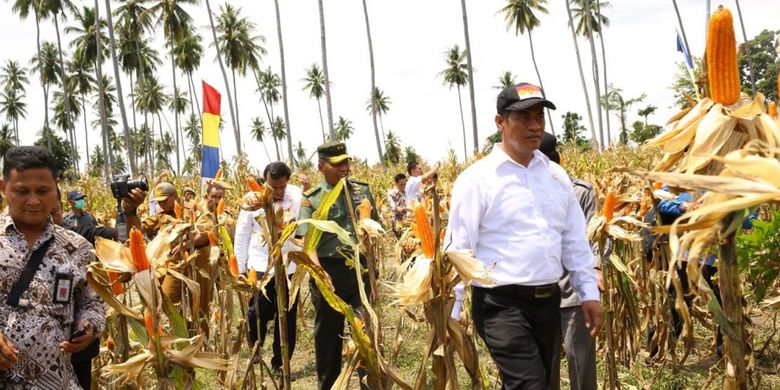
pixel 328 323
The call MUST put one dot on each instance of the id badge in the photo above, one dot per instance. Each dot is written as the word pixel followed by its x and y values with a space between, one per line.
pixel 63 288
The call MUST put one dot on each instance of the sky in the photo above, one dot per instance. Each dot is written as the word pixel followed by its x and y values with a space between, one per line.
pixel 409 40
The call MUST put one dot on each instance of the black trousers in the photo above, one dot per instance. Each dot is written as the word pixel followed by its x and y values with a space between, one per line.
pixel 707 271
pixel 522 333
pixel 82 364
pixel 328 323
pixel 269 311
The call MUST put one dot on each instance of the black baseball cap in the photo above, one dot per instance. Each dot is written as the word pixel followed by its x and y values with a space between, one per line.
pixel 520 97
pixel 549 147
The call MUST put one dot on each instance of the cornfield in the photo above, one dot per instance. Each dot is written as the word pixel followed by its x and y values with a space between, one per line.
pixel 725 148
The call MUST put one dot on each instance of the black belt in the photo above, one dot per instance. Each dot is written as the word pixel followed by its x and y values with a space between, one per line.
pixel 518 291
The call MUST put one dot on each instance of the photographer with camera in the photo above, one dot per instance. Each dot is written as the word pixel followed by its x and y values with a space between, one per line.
pixel 129 198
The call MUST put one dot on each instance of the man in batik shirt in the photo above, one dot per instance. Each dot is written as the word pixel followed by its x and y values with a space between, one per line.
pixel 36 334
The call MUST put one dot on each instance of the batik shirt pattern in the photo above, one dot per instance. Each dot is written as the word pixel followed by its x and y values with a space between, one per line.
pixel 38 324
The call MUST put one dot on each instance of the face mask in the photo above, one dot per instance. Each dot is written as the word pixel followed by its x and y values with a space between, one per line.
pixel 79 204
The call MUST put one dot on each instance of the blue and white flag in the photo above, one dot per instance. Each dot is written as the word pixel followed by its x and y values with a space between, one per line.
pixel 682 49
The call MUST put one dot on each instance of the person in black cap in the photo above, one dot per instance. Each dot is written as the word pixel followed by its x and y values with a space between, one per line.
pixel 328 323
pixel 517 212
pixel 77 216
pixel 579 346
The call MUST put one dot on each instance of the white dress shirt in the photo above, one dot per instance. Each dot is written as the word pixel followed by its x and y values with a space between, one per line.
pixel 413 190
pixel 524 223
pixel 250 248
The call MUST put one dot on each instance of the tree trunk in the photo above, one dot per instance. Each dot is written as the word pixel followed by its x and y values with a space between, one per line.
pixel 238 121
pixel 747 50
pixel 224 74
pixel 539 76
pixel 129 147
pixel 731 295
pixel 102 108
pixel 175 107
pixel 471 77
pixel 195 98
pixel 595 70
pixel 322 122
pixel 604 66
pixel 284 82
pixel 582 75
pixel 463 125
pixel 373 86
pixel 45 90
pixel 323 45
pixel 69 125
pixel 132 101
pixel 86 129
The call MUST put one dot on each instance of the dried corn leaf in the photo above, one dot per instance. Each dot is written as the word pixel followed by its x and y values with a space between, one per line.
pixel 468 267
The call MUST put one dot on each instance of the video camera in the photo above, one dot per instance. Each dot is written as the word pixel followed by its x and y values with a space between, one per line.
pixel 120 188
pixel 122 185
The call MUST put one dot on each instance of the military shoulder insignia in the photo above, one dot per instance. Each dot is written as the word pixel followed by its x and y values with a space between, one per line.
pixel 312 191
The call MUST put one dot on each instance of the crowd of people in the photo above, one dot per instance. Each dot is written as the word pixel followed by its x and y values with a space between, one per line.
pixel 515 209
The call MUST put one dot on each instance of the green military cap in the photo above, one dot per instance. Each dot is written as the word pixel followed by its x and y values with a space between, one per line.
pixel 333 152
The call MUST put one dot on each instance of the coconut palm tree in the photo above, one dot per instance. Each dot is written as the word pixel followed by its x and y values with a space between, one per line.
pixel 24 8
pixel 175 21
pixel 471 75
pixel 373 84
pixel 582 74
pixel 7 138
pixel 239 48
pixel 192 131
pixel 302 161
pixel 284 78
pixel 14 76
pixel 136 56
pixel 14 79
pixel 82 83
pixel 13 107
pixel 57 9
pixel 120 95
pixel 454 75
pixel 188 53
pixel 392 149
pixel 268 86
pixel 314 83
pixel 324 50
pixel 178 105
pixel 49 70
pixel 344 129
pixel 277 133
pixel 215 42
pixel 519 14
pixel 258 131
pixel 589 21
pixel 150 99
pixel 600 23
pixel 62 118
pixel 506 79
pixel 380 104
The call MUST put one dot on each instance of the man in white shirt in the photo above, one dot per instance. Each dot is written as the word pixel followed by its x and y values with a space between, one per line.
pixel 517 212
pixel 252 253
pixel 416 180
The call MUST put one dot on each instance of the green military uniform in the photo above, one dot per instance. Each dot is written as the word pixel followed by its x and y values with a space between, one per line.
pixel 328 323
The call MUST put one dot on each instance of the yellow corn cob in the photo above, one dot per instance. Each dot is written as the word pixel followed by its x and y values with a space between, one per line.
pixel 221 206
pixel 364 210
pixel 423 230
pixel 722 69
pixel 150 326
pixel 233 266
pixel 772 110
pixel 177 210
pixel 116 285
pixel 252 277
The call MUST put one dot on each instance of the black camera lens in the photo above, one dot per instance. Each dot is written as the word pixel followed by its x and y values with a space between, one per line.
pixel 121 185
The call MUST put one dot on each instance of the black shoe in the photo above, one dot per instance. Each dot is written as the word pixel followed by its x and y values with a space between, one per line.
pixel 719 351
